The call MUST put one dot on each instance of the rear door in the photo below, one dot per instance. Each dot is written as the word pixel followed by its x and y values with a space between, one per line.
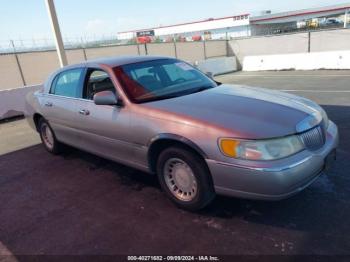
pixel 60 107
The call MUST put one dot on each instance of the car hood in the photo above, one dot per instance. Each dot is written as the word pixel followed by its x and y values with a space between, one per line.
pixel 246 112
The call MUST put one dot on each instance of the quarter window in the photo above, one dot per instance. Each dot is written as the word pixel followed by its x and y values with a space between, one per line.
pixel 67 83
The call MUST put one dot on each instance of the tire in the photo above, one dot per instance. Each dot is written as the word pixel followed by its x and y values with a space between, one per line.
pixel 48 137
pixel 185 178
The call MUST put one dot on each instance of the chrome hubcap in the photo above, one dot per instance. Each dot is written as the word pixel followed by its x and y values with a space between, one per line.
pixel 180 179
pixel 47 136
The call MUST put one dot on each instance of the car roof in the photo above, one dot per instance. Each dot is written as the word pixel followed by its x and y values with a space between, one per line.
pixel 116 61
pixel 109 61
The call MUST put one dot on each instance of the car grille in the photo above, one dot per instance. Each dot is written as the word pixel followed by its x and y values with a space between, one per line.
pixel 315 138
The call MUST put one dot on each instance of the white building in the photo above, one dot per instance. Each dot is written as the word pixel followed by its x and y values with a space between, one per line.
pixel 312 18
pixel 234 26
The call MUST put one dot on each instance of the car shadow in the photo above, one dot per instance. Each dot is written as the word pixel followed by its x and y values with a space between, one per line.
pixel 127 176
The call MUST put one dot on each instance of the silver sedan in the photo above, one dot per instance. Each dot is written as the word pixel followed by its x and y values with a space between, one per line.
pixel 200 137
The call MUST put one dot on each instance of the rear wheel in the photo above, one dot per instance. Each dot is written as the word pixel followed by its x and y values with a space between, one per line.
pixel 48 137
pixel 185 178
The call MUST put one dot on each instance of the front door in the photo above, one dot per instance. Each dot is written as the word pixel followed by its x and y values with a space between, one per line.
pixel 103 130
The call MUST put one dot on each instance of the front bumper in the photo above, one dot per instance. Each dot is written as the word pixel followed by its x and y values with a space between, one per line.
pixel 273 180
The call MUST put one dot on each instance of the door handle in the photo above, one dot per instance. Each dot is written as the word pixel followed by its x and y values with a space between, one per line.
pixel 84 112
pixel 48 104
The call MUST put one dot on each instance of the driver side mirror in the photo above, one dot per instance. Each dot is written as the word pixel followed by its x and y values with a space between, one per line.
pixel 107 98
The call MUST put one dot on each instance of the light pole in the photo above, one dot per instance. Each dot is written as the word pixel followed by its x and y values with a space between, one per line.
pixel 57 32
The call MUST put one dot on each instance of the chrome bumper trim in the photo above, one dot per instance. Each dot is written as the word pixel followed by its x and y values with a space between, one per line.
pixel 264 169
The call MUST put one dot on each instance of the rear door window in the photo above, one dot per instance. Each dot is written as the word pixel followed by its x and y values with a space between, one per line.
pixel 68 83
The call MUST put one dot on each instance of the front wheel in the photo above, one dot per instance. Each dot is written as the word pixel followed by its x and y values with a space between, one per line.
pixel 185 178
pixel 48 137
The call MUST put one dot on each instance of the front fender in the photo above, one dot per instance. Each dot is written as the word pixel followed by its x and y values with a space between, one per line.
pixel 178 138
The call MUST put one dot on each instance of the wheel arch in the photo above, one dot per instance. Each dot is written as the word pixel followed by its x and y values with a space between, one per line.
pixel 36 119
pixel 163 141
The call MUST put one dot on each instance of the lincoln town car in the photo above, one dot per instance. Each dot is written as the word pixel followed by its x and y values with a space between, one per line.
pixel 199 137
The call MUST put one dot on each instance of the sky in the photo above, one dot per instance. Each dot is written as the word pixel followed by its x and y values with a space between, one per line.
pixel 28 19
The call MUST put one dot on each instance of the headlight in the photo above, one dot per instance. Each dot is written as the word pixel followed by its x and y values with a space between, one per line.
pixel 270 149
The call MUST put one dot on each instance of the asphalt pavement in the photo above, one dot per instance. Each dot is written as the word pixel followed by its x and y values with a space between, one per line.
pixel 80 204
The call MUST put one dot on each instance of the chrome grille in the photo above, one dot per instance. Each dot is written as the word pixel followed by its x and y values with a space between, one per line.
pixel 314 139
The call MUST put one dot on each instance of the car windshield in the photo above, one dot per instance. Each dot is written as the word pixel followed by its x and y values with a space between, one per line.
pixel 161 79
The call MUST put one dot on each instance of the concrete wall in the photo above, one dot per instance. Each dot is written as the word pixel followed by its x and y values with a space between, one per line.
pixel 218 65
pixel 12 101
pixel 164 49
pixel 269 45
pixel 75 56
pixel 9 72
pixel 216 49
pixel 332 40
pixel 36 66
pixel 111 51
pixel 317 41
pixel 301 61
pixel 142 49
pixel 190 51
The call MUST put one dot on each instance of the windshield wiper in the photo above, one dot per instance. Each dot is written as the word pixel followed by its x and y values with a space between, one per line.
pixel 157 98
pixel 177 94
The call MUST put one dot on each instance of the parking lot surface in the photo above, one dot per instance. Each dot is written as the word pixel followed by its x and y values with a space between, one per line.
pixel 77 203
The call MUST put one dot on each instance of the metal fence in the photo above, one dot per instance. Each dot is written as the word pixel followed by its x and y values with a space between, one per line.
pixel 252 30
pixel 46 44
